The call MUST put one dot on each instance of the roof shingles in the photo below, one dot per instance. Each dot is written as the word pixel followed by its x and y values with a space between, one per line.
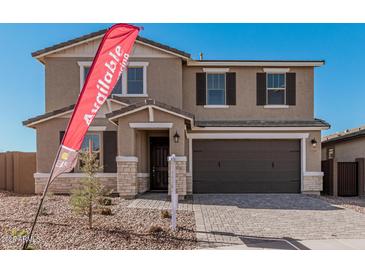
pixel 101 32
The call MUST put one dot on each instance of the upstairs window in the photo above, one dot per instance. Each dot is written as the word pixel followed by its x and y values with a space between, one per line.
pixel 216 91
pixel 276 88
pixel 117 89
pixel 135 80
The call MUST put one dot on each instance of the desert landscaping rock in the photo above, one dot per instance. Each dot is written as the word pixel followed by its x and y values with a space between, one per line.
pixel 60 228
pixel 355 203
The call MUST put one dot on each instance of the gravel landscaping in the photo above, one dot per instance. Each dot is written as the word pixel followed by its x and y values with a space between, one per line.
pixel 355 203
pixel 59 228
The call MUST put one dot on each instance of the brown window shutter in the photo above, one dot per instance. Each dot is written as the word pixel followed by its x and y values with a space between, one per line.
pixel 230 88
pixel 62 133
pixel 110 151
pixel 201 88
pixel 261 89
pixel 290 88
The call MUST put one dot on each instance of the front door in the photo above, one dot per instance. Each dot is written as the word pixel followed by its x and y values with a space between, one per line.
pixel 159 150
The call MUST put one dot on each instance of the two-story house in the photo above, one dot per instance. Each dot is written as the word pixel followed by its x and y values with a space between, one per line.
pixel 236 126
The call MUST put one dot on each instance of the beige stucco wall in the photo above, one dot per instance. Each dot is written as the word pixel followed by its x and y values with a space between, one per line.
pixel 246 107
pixel 314 154
pixel 346 151
pixel 48 140
pixel 62 76
pixel 133 142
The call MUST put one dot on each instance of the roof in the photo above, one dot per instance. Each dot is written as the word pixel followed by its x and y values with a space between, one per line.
pixel 145 103
pixel 346 135
pixel 48 115
pixel 273 63
pixel 96 34
pixel 263 123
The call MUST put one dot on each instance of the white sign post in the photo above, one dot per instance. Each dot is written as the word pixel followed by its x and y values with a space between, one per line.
pixel 174 196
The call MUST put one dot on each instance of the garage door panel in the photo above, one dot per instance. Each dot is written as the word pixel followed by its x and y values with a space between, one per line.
pixel 245 166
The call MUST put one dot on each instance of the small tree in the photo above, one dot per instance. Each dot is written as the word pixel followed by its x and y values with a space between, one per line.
pixel 84 200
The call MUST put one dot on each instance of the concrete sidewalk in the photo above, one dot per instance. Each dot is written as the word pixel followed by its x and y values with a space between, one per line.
pixel 330 244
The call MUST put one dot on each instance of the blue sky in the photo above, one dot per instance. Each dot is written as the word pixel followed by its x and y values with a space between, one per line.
pixel 339 85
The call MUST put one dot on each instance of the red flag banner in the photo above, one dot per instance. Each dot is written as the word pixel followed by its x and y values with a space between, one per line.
pixel 109 62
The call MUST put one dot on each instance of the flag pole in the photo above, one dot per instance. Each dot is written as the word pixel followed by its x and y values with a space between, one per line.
pixel 28 238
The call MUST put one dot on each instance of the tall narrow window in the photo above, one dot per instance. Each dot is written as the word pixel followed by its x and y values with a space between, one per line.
pixel 275 89
pixel 216 91
pixel 95 140
pixel 135 80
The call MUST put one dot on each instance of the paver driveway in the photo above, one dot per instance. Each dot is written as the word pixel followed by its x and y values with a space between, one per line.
pixel 265 219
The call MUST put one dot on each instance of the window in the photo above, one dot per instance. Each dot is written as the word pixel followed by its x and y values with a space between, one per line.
pixel 118 87
pixel 95 140
pixel 135 80
pixel 132 82
pixel 330 153
pixel 275 89
pixel 216 91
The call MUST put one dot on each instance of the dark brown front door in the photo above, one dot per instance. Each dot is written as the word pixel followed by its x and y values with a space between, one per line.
pixel 159 151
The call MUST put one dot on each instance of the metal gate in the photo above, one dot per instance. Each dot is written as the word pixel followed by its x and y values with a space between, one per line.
pixel 347 179
pixel 327 168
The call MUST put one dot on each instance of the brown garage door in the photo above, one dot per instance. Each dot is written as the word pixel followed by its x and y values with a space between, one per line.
pixel 246 166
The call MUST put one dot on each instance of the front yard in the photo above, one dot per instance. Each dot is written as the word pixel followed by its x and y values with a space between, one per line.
pixel 59 228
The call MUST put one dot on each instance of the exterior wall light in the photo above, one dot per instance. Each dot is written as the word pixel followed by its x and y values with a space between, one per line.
pixel 176 137
pixel 314 143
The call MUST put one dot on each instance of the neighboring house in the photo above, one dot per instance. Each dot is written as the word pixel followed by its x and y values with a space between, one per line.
pixel 343 155
pixel 236 126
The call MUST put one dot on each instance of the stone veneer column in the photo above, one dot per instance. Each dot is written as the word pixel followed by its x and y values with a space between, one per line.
pixel 180 176
pixel 127 182
pixel 312 183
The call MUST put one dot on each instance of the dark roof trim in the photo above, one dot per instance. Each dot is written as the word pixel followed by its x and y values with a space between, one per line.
pixel 345 137
pixel 99 33
pixel 263 123
pixel 258 61
pixel 47 115
pixel 148 102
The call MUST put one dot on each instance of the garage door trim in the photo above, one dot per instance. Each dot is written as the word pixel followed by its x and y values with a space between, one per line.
pixel 302 136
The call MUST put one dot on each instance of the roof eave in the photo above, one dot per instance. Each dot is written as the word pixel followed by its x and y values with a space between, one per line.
pixel 255 63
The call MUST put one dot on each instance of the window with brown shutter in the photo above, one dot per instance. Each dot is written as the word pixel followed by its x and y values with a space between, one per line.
pixel 230 88
pixel 201 89
pixel 290 88
pixel 261 89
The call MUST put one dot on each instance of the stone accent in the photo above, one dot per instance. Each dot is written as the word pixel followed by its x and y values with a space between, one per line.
pixel 127 183
pixel 312 183
pixel 143 182
pixel 180 176
pixel 66 182
pixel 189 184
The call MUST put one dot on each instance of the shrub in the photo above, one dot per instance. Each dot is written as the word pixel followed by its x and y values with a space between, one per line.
pixel 155 229
pixel 105 201
pixel 165 214
pixel 18 232
pixel 44 212
pixel 85 199
pixel 106 211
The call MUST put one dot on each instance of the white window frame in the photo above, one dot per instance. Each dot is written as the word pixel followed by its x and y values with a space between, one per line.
pixel 144 65
pixel 206 91
pixel 267 105
pixel 83 65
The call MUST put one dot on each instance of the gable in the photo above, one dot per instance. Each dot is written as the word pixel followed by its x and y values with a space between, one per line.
pixel 90 47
